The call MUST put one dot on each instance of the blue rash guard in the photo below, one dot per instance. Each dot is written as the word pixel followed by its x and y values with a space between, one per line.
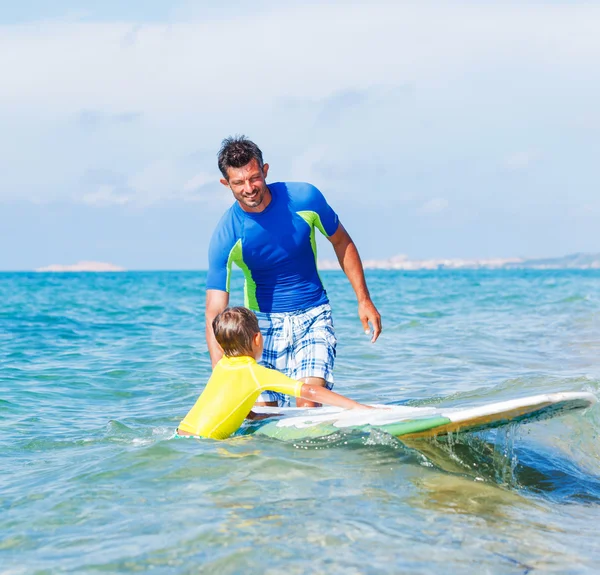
pixel 275 249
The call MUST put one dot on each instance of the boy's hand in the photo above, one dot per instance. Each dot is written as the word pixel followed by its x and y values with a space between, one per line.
pixel 258 416
pixel 379 408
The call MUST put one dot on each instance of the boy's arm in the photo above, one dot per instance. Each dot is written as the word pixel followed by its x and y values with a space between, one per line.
pixel 274 380
pixel 320 394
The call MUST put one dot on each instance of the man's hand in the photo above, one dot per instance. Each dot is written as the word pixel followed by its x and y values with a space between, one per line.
pixel 368 314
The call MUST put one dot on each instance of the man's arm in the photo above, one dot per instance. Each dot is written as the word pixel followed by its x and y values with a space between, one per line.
pixel 216 302
pixel 347 255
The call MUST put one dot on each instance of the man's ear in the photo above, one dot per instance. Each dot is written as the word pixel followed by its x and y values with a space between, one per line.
pixel 265 170
pixel 224 182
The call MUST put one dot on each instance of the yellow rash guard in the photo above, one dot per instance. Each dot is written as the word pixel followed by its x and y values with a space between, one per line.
pixel 230 393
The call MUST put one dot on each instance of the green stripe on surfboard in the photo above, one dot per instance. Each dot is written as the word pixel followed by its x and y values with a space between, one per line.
pixel 271 429
pixel 414 425
pixel 288 433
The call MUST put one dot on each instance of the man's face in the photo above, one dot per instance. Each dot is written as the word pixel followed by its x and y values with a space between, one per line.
pixel 249 186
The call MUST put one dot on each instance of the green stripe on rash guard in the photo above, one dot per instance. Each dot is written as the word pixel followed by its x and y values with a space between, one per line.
pixel 237 245
pixel 314 221
pixel 414 425
pixel 236 256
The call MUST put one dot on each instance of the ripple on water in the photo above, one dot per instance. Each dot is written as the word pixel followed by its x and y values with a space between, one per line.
pixel 97 371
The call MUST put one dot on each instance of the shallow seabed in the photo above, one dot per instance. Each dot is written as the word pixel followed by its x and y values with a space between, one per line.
pixel 96 370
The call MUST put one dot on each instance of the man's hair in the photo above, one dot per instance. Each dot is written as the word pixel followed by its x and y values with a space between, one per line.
pixel 234 329
pixel 236 152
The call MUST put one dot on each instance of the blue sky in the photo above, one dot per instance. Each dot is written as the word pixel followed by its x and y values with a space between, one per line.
pixel 435 129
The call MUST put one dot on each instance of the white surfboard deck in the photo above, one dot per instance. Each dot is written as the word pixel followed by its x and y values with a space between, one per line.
pixel 415 422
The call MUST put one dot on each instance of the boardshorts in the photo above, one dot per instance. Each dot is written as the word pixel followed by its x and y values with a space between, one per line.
pixel 299 344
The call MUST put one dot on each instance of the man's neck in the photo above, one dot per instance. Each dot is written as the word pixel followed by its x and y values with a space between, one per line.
pixel 261 207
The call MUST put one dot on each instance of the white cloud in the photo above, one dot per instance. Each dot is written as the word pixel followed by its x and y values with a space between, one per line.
pixel 105 195
pixel 161 180
pixel 303 164
pixel 156 180
pixel 435 205
pixel 197 181
pixel 521 160
pixel 147 95
pixel 177 66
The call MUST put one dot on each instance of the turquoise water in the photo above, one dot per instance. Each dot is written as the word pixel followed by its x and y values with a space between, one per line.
pixel 96 371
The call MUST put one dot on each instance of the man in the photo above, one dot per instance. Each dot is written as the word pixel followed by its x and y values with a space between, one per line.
pixel 269 232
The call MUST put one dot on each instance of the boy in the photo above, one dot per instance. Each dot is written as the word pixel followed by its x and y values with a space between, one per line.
pixel 237 380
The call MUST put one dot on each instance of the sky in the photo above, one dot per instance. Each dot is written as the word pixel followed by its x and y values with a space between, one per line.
pixel 435 129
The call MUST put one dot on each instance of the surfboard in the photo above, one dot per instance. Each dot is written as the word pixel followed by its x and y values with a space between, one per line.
pixel 415 422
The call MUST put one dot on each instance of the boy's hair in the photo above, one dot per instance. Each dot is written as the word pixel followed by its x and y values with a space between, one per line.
pixel 234 329
pixel 236 152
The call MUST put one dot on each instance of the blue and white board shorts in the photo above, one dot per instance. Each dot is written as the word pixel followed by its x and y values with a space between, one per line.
pixel 299 344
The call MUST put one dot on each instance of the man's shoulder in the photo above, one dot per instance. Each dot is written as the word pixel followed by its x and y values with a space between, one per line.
pixel 228 215
pixel 294 187
pixel 227 230
pixel 297 191
pixel 228 220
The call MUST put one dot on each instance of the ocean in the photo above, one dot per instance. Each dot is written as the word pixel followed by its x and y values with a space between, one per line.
pixel 96 371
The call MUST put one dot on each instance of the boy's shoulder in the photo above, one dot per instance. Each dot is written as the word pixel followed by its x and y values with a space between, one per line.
pixel 272 373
